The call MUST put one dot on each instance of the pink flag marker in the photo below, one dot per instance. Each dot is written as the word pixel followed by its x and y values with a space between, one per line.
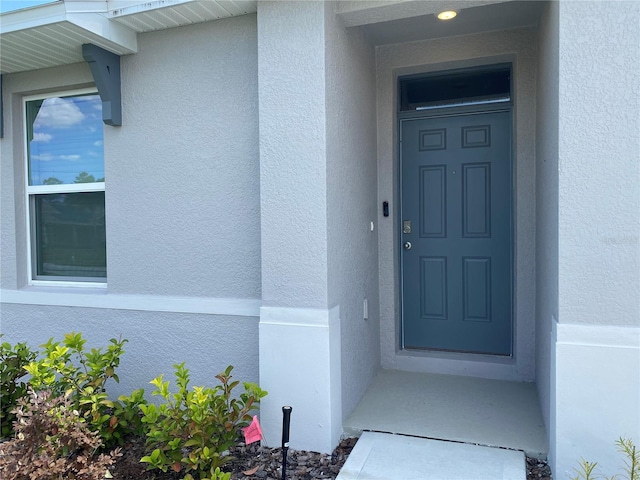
pixel 253 432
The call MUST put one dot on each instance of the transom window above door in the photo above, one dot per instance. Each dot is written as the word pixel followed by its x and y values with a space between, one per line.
pixel 455 88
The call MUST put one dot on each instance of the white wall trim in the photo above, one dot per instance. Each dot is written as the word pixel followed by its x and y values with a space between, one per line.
pixel 300 365
pixel 306 317
pixel 100 298
pixel 597 335
pixel 594 394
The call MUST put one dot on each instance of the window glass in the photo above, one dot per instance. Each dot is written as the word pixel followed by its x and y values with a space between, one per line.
pixel 65 188
pixel 65 140
pixel 451 89
pixel 70 234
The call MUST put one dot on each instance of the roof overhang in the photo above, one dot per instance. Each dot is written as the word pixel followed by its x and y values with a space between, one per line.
pixel 53 34
pixel 397 21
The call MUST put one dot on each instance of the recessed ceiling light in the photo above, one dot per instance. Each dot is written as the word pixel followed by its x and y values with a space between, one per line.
pixel 447 15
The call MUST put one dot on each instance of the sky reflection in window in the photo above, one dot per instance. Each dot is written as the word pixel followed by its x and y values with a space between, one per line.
pixel 65 140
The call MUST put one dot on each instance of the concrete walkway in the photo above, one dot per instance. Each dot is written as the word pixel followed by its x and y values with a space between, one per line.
pixel 382 456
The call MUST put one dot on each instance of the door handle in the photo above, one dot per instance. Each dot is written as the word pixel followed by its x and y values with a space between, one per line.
pixel 407 245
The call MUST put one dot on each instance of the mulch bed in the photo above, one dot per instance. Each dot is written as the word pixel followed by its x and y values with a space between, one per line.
pixel 254 462
pixel 251 462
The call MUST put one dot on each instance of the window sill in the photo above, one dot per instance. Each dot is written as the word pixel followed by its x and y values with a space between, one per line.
pixel 62 286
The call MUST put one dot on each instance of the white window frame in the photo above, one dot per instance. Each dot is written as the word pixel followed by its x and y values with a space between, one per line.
pixel 32 190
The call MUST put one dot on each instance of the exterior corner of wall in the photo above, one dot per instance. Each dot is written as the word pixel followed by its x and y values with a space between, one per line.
pixel 300 367
pixel 596 395
pixel 335 360
pixel 552 424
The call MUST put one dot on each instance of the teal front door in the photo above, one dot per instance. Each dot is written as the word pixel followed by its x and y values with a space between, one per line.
pixel 456 233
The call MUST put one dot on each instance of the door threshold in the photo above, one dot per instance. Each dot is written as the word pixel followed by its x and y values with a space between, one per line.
pixel 496 367
pixel 444 350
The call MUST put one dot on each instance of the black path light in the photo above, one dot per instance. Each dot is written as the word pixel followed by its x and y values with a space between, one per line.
pixel 286 421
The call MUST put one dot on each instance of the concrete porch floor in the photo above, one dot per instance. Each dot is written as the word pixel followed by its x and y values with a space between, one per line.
pixel 493 413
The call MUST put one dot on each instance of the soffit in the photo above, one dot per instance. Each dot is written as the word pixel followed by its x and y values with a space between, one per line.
pixel 53 34
pixel 391 26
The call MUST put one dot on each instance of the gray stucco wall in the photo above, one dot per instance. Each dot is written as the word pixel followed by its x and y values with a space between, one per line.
pixel 599 170
pixel 182 210
pixel 352 202
pixel 546 202
pixel 517 46
pixel 183 192
pixel 293 154
pixel 156 340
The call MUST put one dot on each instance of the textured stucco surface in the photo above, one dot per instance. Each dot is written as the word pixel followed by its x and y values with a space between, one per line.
pixel 246 167
pixel 517 46
pixel 546 203
pixel 299 354
pixel 182 173
pixel 595 375
pixel 293 191
pixel 156 340
pixel 317 144
pixel 599 163
pixel 182 207
pixel 352 203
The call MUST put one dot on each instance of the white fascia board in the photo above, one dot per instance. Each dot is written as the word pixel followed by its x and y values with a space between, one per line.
pixel 100 25
pixel 90 16
pixel 122 8
pixel 33 17
pixel 86 6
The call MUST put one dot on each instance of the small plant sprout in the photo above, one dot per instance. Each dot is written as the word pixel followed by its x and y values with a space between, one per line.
pixel 586 470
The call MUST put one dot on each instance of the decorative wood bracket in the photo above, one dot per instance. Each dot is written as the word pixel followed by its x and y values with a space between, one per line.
pixel 105 68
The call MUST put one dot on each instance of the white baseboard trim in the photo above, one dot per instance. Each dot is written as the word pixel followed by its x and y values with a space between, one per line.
pixel 305 317
pixel 595 393
pixel 100 298
pixel 300 365
pixel 597 335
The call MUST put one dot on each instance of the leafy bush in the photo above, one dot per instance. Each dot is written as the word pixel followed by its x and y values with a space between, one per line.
pixel 52 442
pixel 195 429
pixel 83 382
pixel 13 359
pixel 631 461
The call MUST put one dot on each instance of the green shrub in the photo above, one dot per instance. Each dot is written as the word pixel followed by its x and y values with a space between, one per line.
pixel 193 430
pixel 66 368
pixel 13 359
pixel 631 461
pixel 52 442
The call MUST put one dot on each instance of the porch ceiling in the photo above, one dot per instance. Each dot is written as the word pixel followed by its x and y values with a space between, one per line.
pixel 473 17
pixel 53 34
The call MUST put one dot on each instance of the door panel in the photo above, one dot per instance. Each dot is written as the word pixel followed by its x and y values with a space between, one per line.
pixel 456 194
